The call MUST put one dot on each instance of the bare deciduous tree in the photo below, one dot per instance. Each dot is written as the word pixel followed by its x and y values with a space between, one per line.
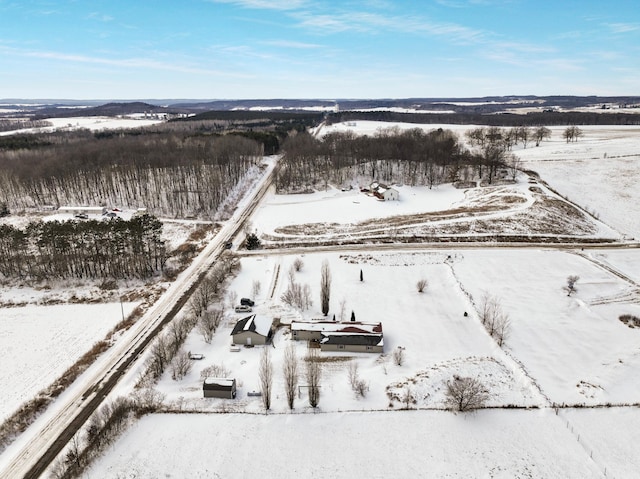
pixel 209 322
pixel 407 396
pixel 265 373
pixel 422 284
pixel 494 319
pixel 465 394
pixel 203 296
pixel 215 371
pixel 514 163
pixel 353 374
pixel 290 371
pixel 297 296
pixel 398 356
pixel 325 287
pixel 298 264
pixel 180 366
pixel 232 298
pixel 313 377
pixel 343 309
pixel 256 287
pixel 571 284
pixel 572 133
pixel 359 386
pixel 541 133
pixel 502 328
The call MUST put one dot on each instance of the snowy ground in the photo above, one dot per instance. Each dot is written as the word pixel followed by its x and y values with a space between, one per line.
pixel 93 123
pixel 524 208
pixel 38 343
pixel 498 444
pixel 599 172
pixel 546 359
pixel 561 350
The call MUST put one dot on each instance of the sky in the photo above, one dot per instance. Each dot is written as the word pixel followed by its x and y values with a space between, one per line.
pixel 259 49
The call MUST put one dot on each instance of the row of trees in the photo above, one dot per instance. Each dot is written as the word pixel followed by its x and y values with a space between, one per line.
pixel 291 372
pixel 9 125
pixel 83 249
pixel 533 119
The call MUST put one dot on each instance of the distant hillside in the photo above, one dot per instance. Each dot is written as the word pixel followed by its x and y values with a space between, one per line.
pixel 108 109
pixel 281 108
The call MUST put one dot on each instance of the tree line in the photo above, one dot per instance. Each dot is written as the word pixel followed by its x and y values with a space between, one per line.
pixel 548 117
pixel 411 156
pixel 92 249
pixel 172 173
pixel 414 156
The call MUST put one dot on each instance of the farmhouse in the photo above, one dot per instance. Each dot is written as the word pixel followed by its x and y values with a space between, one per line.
pixel 340 336
pixel 219 388
pixel 384 192
pixel 252 330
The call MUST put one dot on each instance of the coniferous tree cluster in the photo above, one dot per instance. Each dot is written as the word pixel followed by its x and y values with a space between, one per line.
pixel 83 249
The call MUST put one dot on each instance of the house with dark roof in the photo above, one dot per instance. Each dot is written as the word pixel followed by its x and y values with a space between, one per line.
pixel 352 342
pixel 351 336
pixel 252 330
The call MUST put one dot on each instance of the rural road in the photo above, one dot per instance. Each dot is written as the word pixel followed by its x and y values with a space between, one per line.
pixel 39 445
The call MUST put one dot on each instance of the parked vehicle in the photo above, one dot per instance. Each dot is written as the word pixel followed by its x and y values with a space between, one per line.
pixel 243 308
pixel 247 302
pixel 82 216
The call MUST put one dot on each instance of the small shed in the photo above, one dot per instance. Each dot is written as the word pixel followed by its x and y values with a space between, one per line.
pixel 252 330
pixel 224 388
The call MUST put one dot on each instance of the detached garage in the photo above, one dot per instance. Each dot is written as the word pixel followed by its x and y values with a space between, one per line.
pixel 253 330
pixel 224 388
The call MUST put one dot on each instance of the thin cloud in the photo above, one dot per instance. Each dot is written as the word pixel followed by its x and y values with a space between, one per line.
pixel 623 27
pixel 290 44
pixel 100 16
pixel 138 63
pixel 371 23
pixel 265 4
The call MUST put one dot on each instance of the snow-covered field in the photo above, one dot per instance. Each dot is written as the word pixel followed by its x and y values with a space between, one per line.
pixel 599 172
pixel 427 444
pixel 561 349
pixel 93 123
pixel 39 343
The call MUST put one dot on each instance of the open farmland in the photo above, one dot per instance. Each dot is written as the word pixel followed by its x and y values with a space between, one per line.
pixel 424 444
pixel 38 343
pixel 563 349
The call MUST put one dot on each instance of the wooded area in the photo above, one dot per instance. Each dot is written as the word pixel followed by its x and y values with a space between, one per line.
pixel 173 173
pixel 83 249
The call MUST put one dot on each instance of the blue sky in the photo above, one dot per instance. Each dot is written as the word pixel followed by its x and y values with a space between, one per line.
pixel 215 49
